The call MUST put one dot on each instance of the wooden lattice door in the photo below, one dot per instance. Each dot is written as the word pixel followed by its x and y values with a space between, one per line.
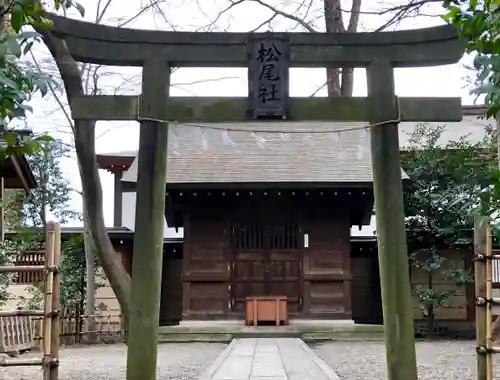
pixel 266 260
pixel 284 263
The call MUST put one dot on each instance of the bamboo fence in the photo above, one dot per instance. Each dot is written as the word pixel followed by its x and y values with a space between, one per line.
pixel 483 274
pixel 12 338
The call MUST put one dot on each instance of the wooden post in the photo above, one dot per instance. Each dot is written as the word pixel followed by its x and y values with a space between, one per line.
pixel 48 288
pixel 2 209
pixel 391 235
pixel 497 122
pixel 489 298
pixel 56 303
pixel 149 224
pixel 90 283
pixel 480 226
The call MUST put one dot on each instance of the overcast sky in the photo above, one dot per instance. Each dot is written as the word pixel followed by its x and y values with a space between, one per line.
pixel 188 15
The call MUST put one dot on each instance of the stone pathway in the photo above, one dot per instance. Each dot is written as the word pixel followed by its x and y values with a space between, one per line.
pixel 268 359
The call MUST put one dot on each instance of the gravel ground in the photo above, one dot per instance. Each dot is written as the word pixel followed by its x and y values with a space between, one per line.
pixel 182 361
pixel 450 360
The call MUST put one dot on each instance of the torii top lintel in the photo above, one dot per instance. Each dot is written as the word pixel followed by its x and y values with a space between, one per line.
pixel 109 45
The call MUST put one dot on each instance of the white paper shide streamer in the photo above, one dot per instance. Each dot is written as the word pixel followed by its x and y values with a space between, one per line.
pixel 260 141
pixel 226 139
pixel 173 139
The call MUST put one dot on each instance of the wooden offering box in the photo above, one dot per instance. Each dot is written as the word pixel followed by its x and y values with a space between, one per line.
pixel 266 309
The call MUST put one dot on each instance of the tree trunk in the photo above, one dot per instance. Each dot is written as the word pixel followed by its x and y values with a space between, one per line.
pixel 430 307
pixel 333 24
pixel 84 134
pixel 80 310
pixel 340 82
pixel 90 287
pixel 430 321
pixel 44 184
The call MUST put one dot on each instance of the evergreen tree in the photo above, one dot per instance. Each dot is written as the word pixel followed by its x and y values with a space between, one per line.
pixel 53 196
pixel 443 192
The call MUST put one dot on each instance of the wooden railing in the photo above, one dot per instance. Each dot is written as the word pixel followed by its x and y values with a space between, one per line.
pixel 496 270
pixel 75 329
pixel 24 332
pixel 29 258
pixel 17 333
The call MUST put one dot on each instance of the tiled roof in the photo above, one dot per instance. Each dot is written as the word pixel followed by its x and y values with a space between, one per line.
pixel 296 157
pixel 331 157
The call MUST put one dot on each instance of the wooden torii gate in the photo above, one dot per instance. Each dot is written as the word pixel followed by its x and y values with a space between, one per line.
pixel 268 57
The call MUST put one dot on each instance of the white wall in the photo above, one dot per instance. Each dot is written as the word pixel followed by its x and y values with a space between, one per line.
pixel 128 216
pixel 368 230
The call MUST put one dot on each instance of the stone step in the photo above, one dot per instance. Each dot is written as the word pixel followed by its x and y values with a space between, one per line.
pixel 309 332
pixel 269 359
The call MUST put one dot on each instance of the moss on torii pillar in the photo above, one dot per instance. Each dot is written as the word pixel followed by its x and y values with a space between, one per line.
pixel 390 218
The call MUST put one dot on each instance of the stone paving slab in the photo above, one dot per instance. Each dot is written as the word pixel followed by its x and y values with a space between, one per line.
pixel 268 359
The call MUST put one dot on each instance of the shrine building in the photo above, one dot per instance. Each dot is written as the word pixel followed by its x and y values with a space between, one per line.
pixel 269 217
pixel 265 218
pixel 266 207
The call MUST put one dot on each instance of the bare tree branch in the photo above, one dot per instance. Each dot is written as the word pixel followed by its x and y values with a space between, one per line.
pixel 191 83
pixel 264 23
pixel 289 16
pixel 84 133
pixel 354 19
pixel 411 9
pixel 414 4
pixel 56 96
pixel 141 12
pixel 100 13
pixel 347 73
pixel 315 92
pixel 339 82
pixel 233 3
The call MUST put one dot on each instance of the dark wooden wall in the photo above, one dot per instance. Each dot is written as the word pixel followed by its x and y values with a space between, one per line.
pixel 326 267
pixel 206 266
pixel 365 289
pixel 125 249
pixel 171 287
pixel 171 291
pixel 340 274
